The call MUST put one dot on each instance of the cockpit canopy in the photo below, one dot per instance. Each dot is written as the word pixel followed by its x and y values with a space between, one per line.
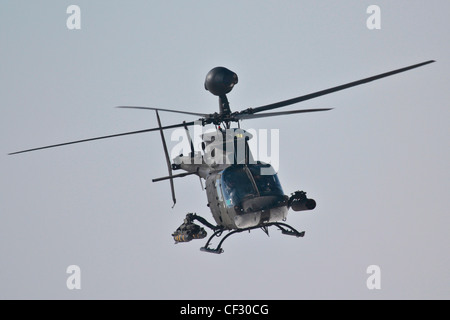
pixel 241 182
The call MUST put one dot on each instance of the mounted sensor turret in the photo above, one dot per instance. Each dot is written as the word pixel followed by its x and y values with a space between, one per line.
pixel 220 81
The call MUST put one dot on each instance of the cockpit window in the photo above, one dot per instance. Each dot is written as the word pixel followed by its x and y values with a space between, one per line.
pixel 267 183
pixel 237 185
pixel 243 182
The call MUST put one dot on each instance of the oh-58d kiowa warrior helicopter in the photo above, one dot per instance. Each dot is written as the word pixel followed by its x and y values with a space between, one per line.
pixel 243 194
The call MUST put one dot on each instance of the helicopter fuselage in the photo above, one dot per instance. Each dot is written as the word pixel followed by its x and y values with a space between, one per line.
pixel 241 192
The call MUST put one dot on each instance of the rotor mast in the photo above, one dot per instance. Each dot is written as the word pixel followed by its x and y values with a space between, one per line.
pixel 224 108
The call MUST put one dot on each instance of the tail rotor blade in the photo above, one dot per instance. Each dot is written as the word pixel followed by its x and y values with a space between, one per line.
pixel 166 153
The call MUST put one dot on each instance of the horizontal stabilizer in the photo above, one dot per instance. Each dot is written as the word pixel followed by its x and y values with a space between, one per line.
pixel 174 176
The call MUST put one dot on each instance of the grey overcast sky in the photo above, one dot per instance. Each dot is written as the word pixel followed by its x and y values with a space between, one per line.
pixel 377 165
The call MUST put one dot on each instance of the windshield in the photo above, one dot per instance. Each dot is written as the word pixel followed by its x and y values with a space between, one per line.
pixel 238 183
pixel 267 183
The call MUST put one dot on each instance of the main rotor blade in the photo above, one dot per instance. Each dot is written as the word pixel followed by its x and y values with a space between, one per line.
pixel 281 113
pixel 334 89
pixel 167 110
pixel 106 137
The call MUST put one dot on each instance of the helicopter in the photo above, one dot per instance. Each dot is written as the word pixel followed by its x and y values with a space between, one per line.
pixel 243 193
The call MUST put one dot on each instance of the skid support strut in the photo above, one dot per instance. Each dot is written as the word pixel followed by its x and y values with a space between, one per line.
pixel 184 233
pixel 285 229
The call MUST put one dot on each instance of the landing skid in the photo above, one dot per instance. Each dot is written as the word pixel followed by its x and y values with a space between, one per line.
pixel 285 229
pixel 219 230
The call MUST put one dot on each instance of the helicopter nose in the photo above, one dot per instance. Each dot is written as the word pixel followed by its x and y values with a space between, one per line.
pixel 256 218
